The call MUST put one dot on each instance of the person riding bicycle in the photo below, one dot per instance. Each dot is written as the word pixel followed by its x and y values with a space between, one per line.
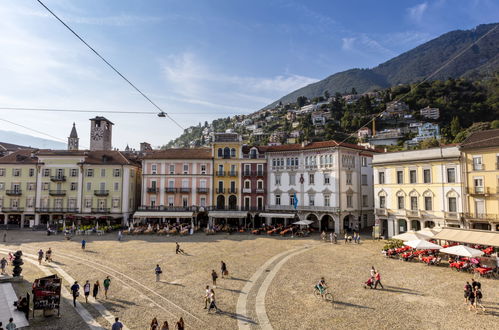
pixel 321 286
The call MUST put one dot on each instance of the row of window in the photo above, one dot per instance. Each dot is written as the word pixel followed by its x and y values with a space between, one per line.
pixel 327 200
pixel 61 172
pixel 171 201
pixel 311 179
pixel 171 169
pixel 31 186
pixel 58 203
pixel 413 177
pixel 428 203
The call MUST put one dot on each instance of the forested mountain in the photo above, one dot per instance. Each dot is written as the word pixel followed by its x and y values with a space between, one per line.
pixel 481 60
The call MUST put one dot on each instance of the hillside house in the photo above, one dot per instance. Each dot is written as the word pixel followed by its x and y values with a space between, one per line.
pixel 431 113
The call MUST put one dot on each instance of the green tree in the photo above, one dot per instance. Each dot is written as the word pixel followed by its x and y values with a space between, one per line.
pixel 301 101
pixel 455 127
pixel 494 124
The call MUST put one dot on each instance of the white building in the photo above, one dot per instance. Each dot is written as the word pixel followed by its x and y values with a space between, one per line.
pixel 332 185
pixel 432 113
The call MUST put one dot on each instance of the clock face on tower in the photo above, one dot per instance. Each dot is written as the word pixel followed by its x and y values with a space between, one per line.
pixel 96 135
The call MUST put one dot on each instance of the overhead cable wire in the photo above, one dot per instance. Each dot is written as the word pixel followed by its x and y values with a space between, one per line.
pixel 426 79
pixel 32 129
pixel 103 111
pixel 110 65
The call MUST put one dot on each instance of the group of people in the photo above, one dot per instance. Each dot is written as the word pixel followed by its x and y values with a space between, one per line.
pixel 75 289
pixel 473 295
pixel 374 279
pixel 47 254
pixel 355 237
pixel 155 325
pixel 223 270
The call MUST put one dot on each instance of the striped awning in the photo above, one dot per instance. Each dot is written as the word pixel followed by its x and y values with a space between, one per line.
pixel 145 214
pixel 277 215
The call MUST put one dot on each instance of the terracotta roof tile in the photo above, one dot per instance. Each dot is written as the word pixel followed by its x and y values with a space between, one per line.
pixel 19 157
pixel 318 145
pixel 482 139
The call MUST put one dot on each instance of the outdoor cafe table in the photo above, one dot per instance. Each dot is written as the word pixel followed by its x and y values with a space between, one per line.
pixel 427 259
pixel 457 265
pixel 482 270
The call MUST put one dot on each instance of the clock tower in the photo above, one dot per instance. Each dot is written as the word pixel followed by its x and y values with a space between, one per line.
pixel 73 139
pixel 100 133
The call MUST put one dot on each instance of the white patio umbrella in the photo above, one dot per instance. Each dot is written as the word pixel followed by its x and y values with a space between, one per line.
pixel 429 231
pixel 303 222
pixel 463 251
pixel 411 236
pixel 420 244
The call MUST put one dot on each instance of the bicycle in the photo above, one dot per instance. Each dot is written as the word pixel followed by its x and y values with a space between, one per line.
pixel 326 295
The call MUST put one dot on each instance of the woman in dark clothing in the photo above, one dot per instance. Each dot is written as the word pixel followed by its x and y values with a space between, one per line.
pixel 223 268
pixel 96 289
pixel 467 290
pixel 471 299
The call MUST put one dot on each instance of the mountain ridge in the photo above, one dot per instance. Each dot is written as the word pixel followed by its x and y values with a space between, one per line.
pixel 415 65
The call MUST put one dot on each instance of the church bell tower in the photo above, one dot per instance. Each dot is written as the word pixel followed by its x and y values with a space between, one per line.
pixel 73 139
pixel 100 134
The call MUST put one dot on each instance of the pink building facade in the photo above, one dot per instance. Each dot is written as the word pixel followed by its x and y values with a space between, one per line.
pixel 177 179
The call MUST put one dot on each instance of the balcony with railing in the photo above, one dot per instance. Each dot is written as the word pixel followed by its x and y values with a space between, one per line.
pixel 203 190
pixel 152 190
pixel 253 173
pixel 246 190
pixel 170 190
pixel 220 173
pixel 101 210
pixel 248 173
pixel 13 192
pixel 452 215
pixel 232 173
pixel 101 193
pixel 58 178
pixel 478 190
pixel 56 210
pixel 254 156
pixel 303 208
pixel 481 216
pixel 232 191
pixel 12 209
pixel 57 192
pixel 226 208
pixel 220 190
pixel 184 190
pixel 162 208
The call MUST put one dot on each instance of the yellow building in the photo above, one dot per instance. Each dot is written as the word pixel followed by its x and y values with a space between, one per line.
pixel 481 168
pixel 418 189
pixel 227 149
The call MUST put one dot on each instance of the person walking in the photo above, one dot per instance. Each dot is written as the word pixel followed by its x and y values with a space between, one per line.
pixel 107 283
pixel 95 290
pixel 11 325
pixel 164 326
pixel 4 236
pixel 75 291
pixel 346 237
pixel 117 325
pixel 214 277
pixel 207 297
pixel 154 324
pixel 335 238
pixel 86 290
pixel 377 278
pixel 223 269
pixel 467 290
pixel 471 300
pixel 3 264
pixel 478 299
pixel 213 303
pixel 178 249
pixel 40 256
pixel 120 235
pixel 48 255
pixel 373 272
pixel 180 324
pixel 331 237
pixel 158 272
pixel 83 243
pixel 358 238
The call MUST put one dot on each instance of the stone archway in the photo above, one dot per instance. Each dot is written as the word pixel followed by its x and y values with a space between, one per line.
pixel 402 223
pixel 327 222
pixel 315 219
pixel 429 224
pixel 415 225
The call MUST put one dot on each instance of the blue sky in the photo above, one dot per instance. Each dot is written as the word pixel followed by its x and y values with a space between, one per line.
pixel 199 60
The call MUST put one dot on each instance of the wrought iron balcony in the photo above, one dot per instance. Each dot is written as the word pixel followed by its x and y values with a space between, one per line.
pixel 232 190
pixel 56 210
pixel 203 190
pixel 170 190
pixel 57 192
pixel 232 173
pixel 483 191
pixel 13 192
pixel 220 190
pixel 162 208
pixel 101 210
pixel 220 173
pixel 58 178
pixel 184 190
pixel 12 209
pixel 153 190
pixel 101 193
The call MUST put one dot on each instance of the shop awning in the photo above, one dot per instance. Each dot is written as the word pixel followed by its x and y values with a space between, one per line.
pixel 481 237
pixel 145 214
pixel 277 215
pixel 228 214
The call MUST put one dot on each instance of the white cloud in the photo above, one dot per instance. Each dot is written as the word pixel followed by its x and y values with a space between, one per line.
pixel 416 13
pixel 347 43
pixel 188 77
